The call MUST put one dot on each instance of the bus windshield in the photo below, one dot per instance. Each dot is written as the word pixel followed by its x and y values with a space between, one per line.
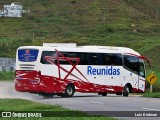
pixel 134 64
pixel 27 55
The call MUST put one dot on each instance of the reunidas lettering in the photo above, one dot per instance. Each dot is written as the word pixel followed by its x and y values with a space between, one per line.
pixel 108 70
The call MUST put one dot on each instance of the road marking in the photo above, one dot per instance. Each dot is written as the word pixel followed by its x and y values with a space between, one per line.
pixel 151 109
pixel 96 102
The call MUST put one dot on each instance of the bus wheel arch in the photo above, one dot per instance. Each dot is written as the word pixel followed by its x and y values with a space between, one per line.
pixel 127 89
pixel 70 90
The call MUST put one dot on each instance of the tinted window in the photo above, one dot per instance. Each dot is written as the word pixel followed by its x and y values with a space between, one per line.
pixel 69 55
pixel 83 58
pixel 112 59
pixel 47 53
pixel 90 58
pixel 27 55
pixel 86 58
pixel 132 63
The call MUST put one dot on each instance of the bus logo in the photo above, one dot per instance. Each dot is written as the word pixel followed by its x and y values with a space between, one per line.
pixel 27 51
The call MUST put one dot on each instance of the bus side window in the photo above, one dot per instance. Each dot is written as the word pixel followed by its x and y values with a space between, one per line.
pixel 100 59
pixel 69 55
pixel 83 58
pixel 73 55
pixel 64 61
pixel 116 59
pixel 46 53
pixel 107 60
pixel 92 58
pixel 112 59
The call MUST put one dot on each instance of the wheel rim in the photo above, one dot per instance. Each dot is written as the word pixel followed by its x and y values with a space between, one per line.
pixel 69 91
pixel 127 90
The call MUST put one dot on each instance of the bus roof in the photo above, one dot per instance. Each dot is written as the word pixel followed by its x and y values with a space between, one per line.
pixel 97 49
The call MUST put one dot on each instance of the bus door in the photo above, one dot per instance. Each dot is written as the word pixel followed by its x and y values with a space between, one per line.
pixel 141 75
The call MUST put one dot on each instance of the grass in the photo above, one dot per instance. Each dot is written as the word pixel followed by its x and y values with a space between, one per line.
pixel 19 105
pixel 128 23
pixel 152 95
pixel 7 76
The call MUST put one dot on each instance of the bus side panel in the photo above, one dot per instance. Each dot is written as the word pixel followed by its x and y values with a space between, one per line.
pixel 85 79
pixel 82 79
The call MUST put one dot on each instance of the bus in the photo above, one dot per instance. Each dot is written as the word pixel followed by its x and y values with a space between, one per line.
pixel 63 69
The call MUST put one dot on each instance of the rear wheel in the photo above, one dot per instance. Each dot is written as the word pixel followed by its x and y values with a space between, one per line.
pixel 126 91
pixel 70 90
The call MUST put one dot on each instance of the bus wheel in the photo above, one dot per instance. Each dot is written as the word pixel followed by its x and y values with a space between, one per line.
pixel 126 91
pixel 70 90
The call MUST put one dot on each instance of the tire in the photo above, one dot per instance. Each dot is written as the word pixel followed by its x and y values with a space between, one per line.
pixel 126 91
pixel 70 90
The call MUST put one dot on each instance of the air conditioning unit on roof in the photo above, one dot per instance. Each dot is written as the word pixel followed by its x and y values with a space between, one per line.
pixel 59 45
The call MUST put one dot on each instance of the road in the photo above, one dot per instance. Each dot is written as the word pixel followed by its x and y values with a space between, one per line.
pixel 90 101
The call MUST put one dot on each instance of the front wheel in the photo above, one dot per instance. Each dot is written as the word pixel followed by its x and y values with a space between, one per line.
pixel 70 90
pixel 126 91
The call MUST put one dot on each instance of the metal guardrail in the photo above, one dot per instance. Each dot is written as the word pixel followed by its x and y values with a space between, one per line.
pixel 7 64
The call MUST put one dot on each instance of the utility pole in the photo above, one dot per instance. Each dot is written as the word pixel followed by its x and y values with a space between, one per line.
pixel 33 39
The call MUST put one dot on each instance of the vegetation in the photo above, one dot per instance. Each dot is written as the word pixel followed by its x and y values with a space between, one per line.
pixel 7 76
pixel 120 23
pixel 128 23
pixel 152 95
pixel 19 105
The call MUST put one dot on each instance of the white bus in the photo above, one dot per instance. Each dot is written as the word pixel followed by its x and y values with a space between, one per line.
pixel 54 70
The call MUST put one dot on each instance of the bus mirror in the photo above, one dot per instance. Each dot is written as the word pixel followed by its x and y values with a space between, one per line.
pixel 142 57
pixel 147 59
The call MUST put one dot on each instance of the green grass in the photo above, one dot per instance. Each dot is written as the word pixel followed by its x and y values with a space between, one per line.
pixel 152 95
pixel 7 76
pixel 20 105
pixel 128 23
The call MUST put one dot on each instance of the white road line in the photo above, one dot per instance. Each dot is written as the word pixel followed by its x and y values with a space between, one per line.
pixel 96 102
pixel 151 109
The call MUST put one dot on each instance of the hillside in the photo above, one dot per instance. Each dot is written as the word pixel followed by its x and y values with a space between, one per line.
pixel 130 23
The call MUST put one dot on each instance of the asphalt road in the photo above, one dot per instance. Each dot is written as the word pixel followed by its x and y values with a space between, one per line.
pixel 91 102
